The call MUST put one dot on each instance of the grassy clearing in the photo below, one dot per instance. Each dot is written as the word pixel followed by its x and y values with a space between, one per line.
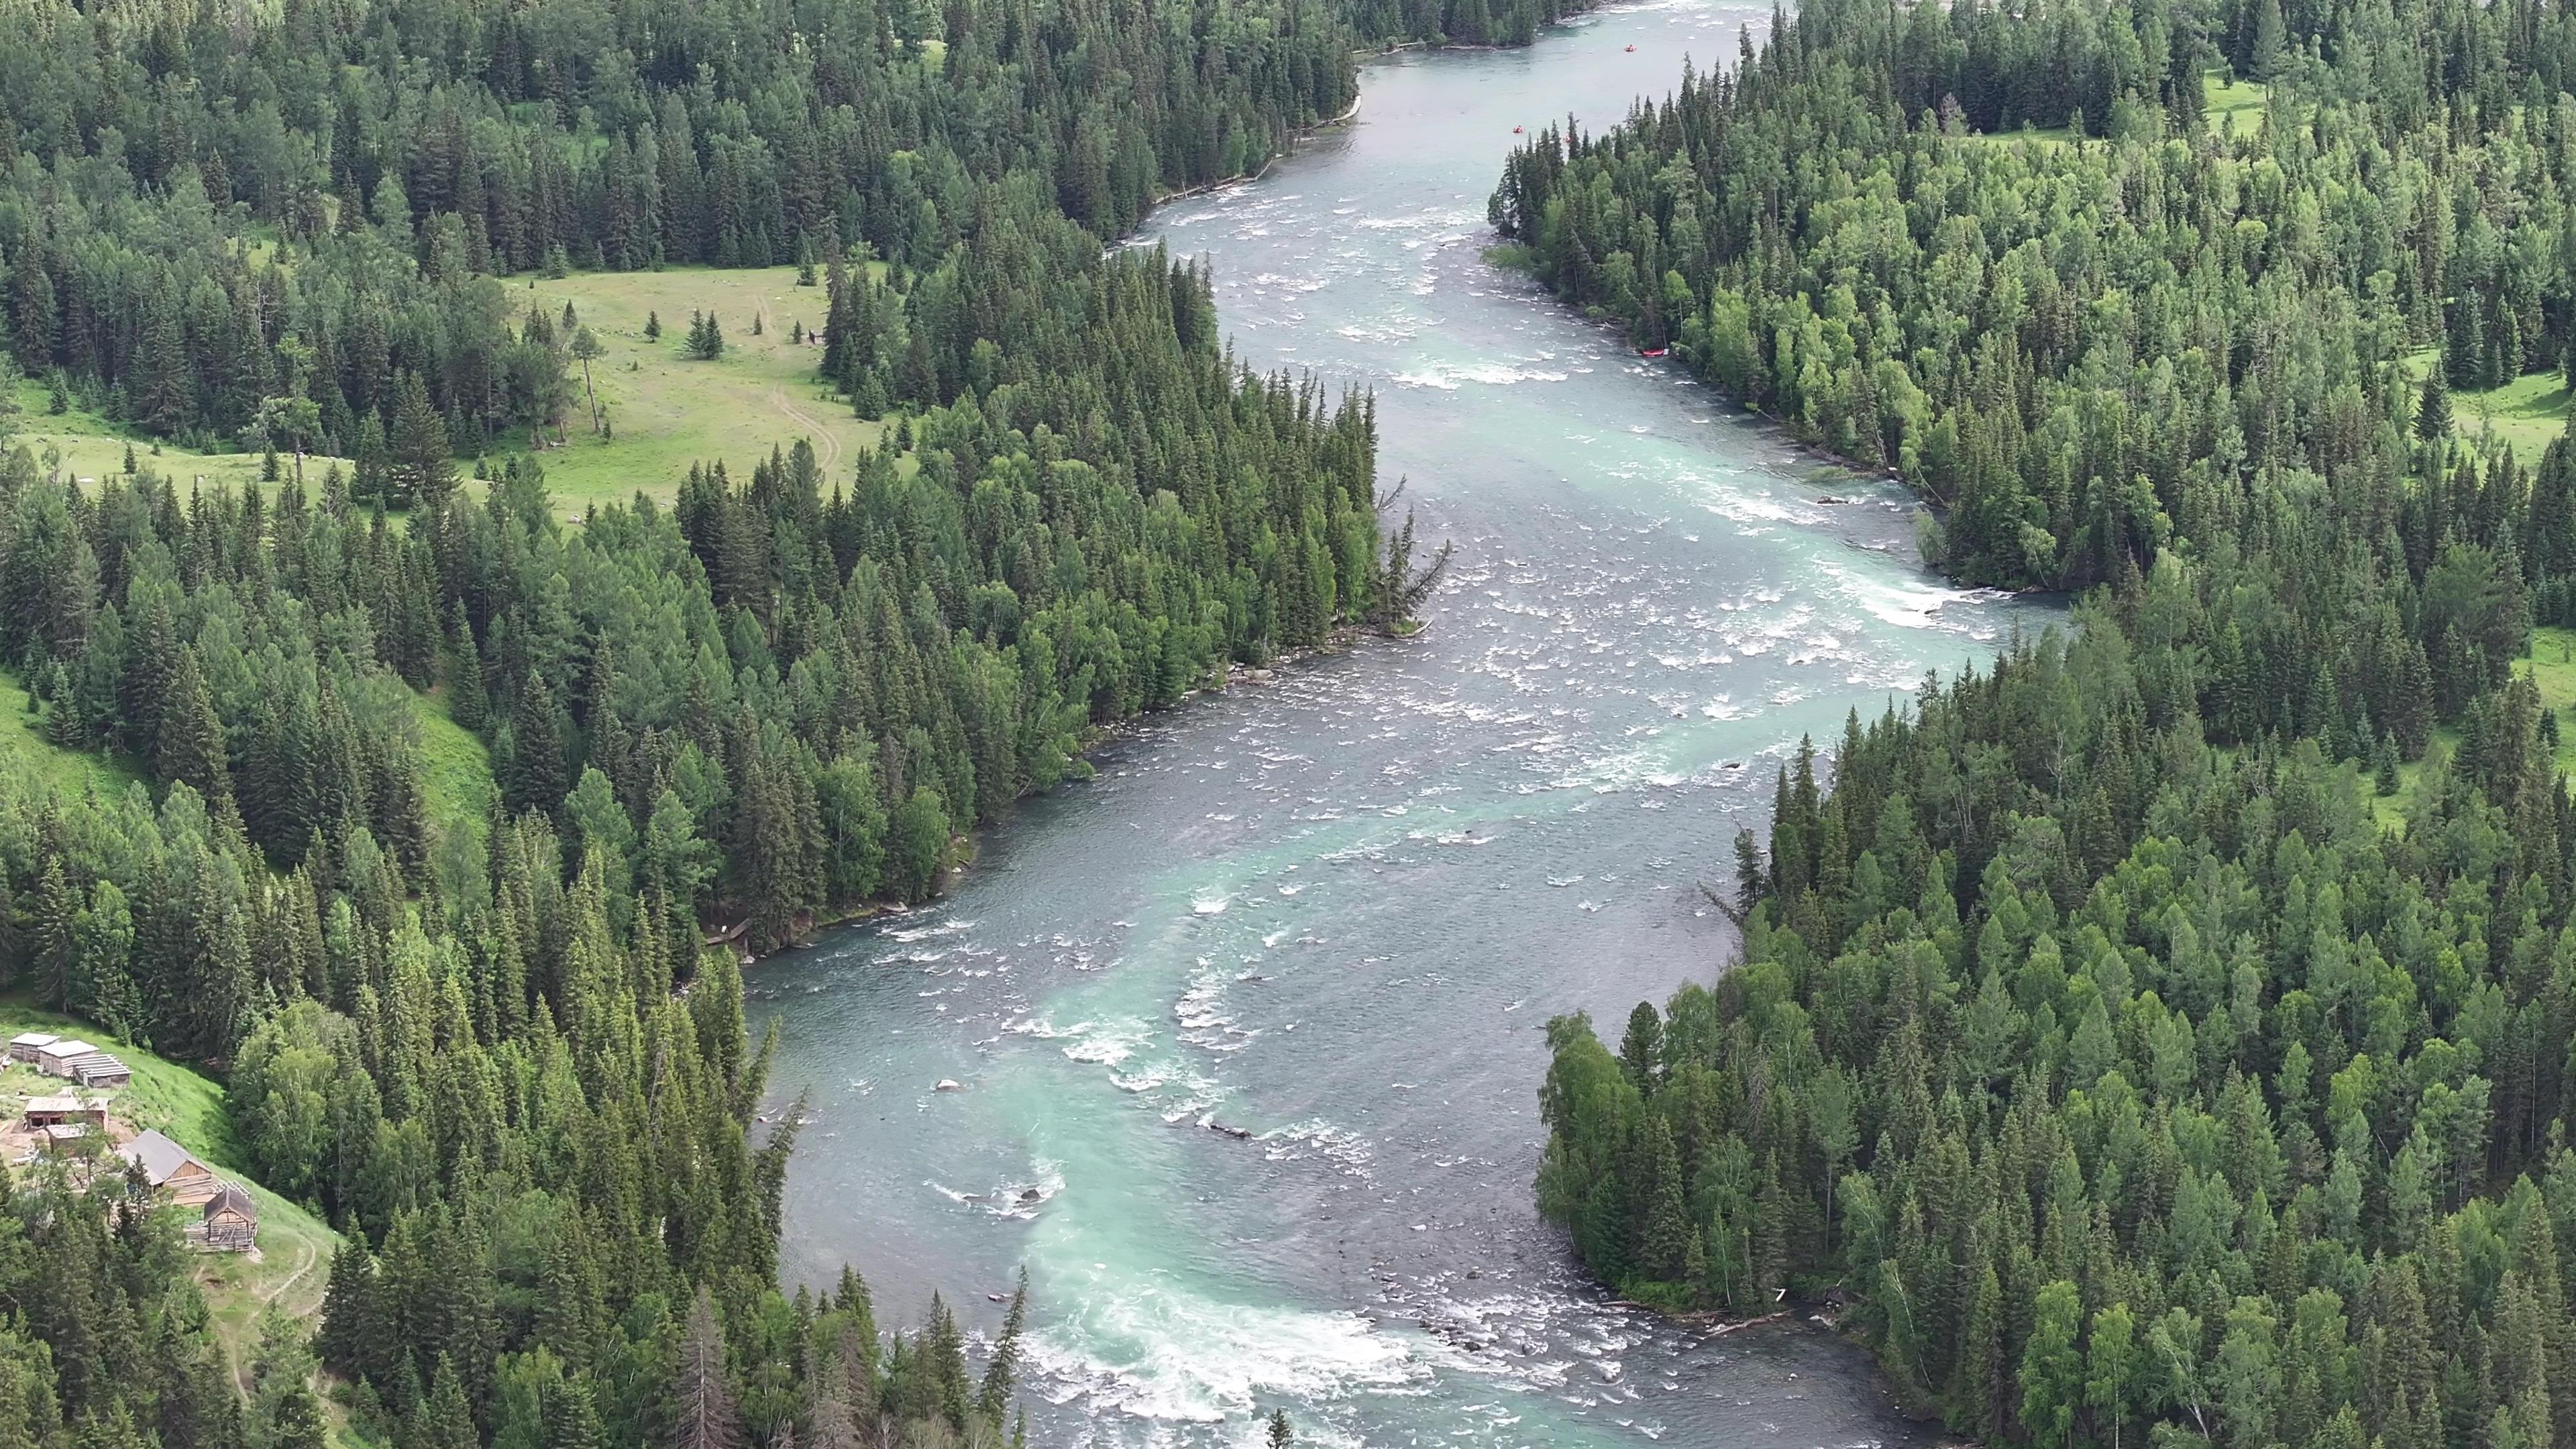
pixel 457 766
pixel 2526 412
pixel 69 771
pixel 2552 666
pixel 292 1266
pixel 2045 135
pixel 666 411
pixel 2230 104
pixel 90 447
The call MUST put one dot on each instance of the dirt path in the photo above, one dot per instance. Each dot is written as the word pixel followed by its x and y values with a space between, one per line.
pixel 289 1280
pixel 827 448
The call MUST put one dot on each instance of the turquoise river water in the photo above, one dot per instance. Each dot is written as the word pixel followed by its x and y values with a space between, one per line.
pixel 1335 912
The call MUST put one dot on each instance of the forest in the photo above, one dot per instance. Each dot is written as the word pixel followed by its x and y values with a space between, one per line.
pixel 484 1035
pixel 2164 1031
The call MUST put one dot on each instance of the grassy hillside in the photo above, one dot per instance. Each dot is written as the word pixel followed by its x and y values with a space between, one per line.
pixel 22 739
pixel 459 768
pixel 2552 666
pixel 91 447
pixel 2526 412
pixel 2236 104
pixel 666 411
pixel 292 1265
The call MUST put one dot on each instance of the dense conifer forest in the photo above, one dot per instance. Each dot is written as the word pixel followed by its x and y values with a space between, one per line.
pixel 483 1037
pixel 2164 1032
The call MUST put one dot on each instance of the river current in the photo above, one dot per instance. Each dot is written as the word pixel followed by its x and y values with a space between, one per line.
pixel 1246 1034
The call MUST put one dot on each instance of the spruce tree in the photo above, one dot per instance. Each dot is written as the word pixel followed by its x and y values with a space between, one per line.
pixel 2433 409
pixel 54 944
pixel 466 702
pixel 191 747
pixel 421 467
pixel 702 1414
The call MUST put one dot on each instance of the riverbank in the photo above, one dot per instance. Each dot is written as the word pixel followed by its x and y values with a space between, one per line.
pixel 1337 914
pixel 965 846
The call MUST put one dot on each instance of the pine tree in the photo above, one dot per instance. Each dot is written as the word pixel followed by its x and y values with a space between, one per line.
pixel 467 703
pixel 2433 409
pixel 706 337
pixel 538 777
pixel 572 1416
pixel 191 747
pixel 53 947
pixel 447 1421
pixel 702 1406
pixel 1000 1372
pixel 422 467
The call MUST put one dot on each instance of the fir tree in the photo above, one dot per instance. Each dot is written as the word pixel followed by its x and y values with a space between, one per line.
pixel 2433 409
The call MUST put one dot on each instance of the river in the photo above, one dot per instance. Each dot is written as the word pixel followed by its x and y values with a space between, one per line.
pixel 1335 911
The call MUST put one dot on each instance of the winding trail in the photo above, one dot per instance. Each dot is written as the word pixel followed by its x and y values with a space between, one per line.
pixel 827 447
pixel 289 1281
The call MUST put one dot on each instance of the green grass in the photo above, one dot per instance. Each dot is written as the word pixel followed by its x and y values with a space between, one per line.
pixel 2525 412
pixel 2045 135
pixel 68 771
pixel 2239 104
pixel 292 1266
pixel 165 1097
pixel 666 411
pixel 2552 666
pixel 457 767
pixel 2226 102
pixel 90 447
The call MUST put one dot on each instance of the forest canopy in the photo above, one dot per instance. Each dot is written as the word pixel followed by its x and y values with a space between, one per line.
pixel 2166 1029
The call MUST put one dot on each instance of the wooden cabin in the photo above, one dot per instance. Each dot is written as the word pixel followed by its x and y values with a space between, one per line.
pixel 231 1223
pixel 24 1046
pixel 65 1110
pixel 173 1171
pixel 55 1057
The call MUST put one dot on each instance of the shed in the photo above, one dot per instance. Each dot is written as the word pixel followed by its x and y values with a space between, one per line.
pixel 60 1136
pixel 232 1221
pixel 64 1109
pixel 100 1069
pixel 55 1057
pixel 172 1170
pixel 24 1046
